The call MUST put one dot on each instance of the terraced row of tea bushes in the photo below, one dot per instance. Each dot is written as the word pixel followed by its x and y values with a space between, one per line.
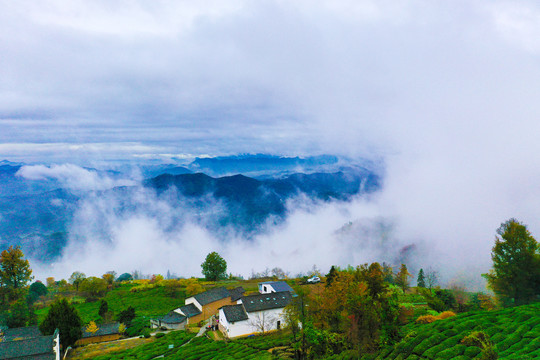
pixel 160 346
pixel 515 333
pixel 267 341
pixel 202 348
pixel 199 348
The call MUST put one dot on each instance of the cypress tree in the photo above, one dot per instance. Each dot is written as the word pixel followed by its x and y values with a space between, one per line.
pixel 421 280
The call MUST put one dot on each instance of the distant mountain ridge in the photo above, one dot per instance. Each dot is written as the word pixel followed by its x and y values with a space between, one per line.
pixel 38 214
pixel 250 202
pixel 260 163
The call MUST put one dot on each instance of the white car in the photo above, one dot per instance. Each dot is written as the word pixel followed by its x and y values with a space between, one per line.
pixel 314 280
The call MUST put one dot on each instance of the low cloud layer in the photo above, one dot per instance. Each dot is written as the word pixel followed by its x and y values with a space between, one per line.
pixel 154 237
pixel 72 177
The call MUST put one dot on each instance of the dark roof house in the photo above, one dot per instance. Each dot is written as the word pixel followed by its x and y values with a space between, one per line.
pixel 212 295
pixel 103 330
pixel 260 302
pixel 236 293
pixel 234 313
pixel 21 333
pixel 189 310
pixel 274 286
pixel 173 318
pixel 31 348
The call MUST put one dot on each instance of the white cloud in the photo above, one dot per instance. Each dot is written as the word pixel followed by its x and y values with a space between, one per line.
pixel 73 177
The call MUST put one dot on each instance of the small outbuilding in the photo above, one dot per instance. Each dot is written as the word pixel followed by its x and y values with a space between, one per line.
pixel 105 332
pixel 268 287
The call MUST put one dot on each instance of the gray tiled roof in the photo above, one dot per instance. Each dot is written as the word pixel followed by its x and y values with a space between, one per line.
pixel 22 333
pixel 35 348
pixel 190 310
pixel 278 286
pixel 212 295
pixel 234 313
pixel 173 318
pixel 236 293
pixel 104 329
pixel 261 302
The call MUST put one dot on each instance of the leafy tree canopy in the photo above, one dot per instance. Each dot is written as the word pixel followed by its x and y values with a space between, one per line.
pixel 15 270
pixel 125 277
pixel 76 279
pixel 126 316
pixel 36 290
pixel 93 286
pixel 515 276
pixel 214 267
pixel 402 278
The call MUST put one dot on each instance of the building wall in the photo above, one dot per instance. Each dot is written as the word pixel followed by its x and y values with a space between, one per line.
pixel 210 309
pixel 266 289
pixel 97 339
pixel 231 330
pixel 157 324
pixel 192 300
pixel 251 325
pixel 56 347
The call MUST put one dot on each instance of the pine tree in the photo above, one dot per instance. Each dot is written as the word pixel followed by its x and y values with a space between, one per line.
pixel 64 317
pixel 103 308
pixel 331 276
pixel 421 280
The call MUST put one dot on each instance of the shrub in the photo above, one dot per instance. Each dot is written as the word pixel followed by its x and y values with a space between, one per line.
pixel 446 315
pixel 426 319
pixel 476 338
pixel 159 335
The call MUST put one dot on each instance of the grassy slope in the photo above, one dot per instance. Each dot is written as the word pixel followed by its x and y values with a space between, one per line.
pixel 149 303
pixel 515 333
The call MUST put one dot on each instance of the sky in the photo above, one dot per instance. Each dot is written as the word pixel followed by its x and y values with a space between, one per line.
pixel 445 92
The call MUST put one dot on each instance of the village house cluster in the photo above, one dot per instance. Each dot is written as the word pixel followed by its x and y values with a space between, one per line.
pixel 234 313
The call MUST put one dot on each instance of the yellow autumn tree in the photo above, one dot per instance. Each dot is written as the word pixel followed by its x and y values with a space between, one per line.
pixel 193 287
pixel 92 327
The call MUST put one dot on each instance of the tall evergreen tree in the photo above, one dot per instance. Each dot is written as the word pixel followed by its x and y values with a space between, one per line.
pixel 103 308
pixel 421 279
pixel 331 276
pixel 64 317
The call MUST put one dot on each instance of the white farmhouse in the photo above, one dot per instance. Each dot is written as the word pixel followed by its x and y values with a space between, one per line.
pixel 268 287
pixel 254 314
